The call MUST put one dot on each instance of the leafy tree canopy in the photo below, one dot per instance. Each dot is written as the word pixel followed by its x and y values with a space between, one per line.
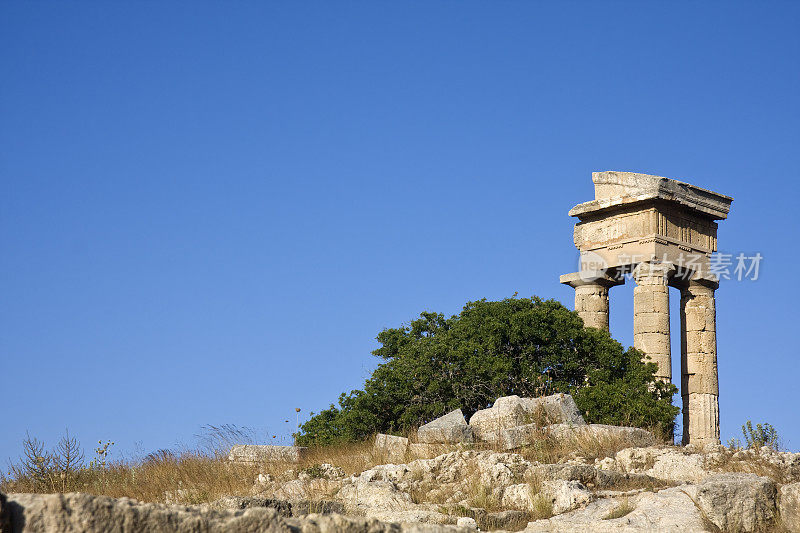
pixel 524 346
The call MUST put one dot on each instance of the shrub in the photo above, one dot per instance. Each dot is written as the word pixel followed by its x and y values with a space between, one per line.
pixel 760 435
pixel 523 346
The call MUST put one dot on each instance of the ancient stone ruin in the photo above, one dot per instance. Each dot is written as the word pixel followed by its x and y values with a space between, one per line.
pixel 661 232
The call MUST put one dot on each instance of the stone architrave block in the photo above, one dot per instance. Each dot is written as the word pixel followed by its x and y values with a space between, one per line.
pixel 451 428
pixel 512 411
pixel 266 453
pixel 391 447
pixel 520 436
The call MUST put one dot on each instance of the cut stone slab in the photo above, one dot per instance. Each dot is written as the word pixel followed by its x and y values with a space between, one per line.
pixel 512 411
pixel 520 436
pixel 266 453
pixel 390 448
pixel 451 428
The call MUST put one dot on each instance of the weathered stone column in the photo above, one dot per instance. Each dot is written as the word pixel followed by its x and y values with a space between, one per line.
pixel 699 379
pixel 651 314
pixel 591 296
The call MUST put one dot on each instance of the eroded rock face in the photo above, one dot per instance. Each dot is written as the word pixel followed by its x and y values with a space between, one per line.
pixel 451 428
pixel 736 502
pixel 512 411
pixel 663 463
pixel 789 498
pixel 85 513
pixel 667 510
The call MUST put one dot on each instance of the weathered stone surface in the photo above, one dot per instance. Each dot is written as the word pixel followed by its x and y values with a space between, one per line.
pixel 566 495
pixel 663 463
pixel 789 507
pixel 467 522
pixel 512 411
pixel 426 450
pixel 375 496
pixel 283 507
pixel 668 510
pixel 736 502
pixel 390 448
pixel 450 428
pixel 266 453
pixel 519 436
pixel 85 513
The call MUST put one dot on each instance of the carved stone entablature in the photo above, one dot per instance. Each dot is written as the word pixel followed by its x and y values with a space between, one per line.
pixel 638 217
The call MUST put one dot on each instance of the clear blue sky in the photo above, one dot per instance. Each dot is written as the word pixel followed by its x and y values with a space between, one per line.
pixel 209 210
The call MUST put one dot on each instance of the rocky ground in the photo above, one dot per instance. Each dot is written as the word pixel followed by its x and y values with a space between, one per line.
pixel 587 487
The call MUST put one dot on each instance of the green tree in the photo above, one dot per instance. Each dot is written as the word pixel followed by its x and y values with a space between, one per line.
pixel 524 346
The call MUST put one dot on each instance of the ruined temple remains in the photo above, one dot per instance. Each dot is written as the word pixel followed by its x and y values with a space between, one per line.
pixel 661 232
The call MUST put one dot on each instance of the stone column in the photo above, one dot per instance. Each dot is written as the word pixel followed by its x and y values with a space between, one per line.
pixel 651 315
pixel 591 296
pixel 591 303
pixel 699 380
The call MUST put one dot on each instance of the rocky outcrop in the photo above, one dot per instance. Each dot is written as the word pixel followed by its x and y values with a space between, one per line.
pixel 666 510
pixel 451 428
pixel 736 502
pixel 670 463
pixel 85 513
pixel 789 506
pixel 512 411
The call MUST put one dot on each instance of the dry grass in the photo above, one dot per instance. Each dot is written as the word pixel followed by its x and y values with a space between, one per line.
pixel 188 478
pixel 545 448
pixel 754 463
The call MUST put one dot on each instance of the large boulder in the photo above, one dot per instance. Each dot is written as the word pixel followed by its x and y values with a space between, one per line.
pixel 511 411
pixel 266 453
pixel 451 428
pixel 737 502
pixel 87 513
pixel 789 498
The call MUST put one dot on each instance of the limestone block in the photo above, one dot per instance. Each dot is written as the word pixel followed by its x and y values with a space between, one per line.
pixel 390 448
pixel 511 411
pixel 703 383
pixel 521 436
pixel 652 343
pixel 652 322
pixel 450 428
pixel 737 502
pixel 266 453
pixel 789 508
pixel 426 450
